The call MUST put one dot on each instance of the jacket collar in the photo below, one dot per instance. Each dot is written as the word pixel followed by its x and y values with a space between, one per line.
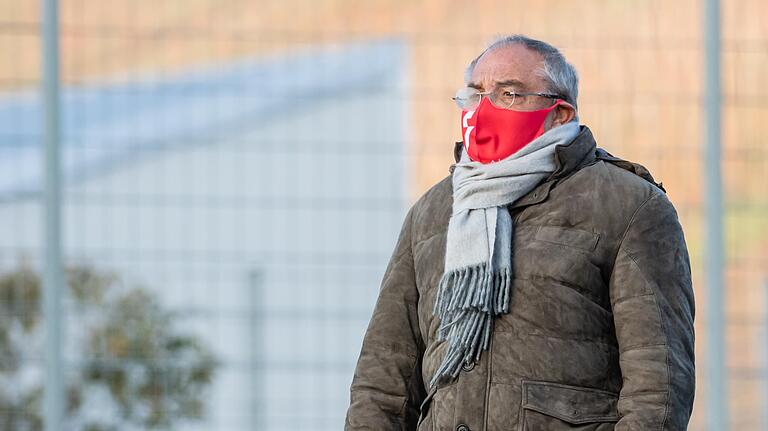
pixel 575 154
pixel 569 158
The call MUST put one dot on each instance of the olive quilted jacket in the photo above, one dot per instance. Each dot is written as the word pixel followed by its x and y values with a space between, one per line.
pixel 600 330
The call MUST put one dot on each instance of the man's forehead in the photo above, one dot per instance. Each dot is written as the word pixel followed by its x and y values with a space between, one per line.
pixel 513 64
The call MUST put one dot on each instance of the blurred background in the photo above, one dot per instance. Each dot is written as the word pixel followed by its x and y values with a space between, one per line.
pixel 234 175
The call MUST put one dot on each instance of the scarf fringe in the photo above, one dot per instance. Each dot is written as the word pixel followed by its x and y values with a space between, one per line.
pixel 467 301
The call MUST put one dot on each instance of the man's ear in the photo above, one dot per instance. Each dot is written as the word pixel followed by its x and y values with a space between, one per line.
pixel 564 113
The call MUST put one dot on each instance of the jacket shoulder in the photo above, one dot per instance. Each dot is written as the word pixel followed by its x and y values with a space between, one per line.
pixel 613 193
pixel 635 168
pixel 612 176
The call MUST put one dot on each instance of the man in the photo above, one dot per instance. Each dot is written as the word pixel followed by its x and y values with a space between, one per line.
pixel 543 285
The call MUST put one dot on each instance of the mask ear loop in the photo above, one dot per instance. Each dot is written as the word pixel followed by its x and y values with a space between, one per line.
pixel 557 103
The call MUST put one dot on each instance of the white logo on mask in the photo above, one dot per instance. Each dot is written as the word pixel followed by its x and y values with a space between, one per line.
pixel 464 122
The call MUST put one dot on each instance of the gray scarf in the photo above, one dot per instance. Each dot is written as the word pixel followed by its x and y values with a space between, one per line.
pixel 478 257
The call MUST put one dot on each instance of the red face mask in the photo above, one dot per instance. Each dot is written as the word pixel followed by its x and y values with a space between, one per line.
pixel 492 134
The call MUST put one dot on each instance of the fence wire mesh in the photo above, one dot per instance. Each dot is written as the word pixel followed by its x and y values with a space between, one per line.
pixel 235 175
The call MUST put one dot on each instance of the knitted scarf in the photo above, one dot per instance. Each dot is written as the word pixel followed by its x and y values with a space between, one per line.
pixel 477 280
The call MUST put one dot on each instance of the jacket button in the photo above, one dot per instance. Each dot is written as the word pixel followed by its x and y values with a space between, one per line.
pixel 469 367
pixel 463 427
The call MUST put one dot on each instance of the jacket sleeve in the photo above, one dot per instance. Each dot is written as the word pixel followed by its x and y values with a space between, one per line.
pixel 653 305
pixel 387 387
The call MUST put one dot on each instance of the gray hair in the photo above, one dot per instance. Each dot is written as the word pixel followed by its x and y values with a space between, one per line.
pixel 560 75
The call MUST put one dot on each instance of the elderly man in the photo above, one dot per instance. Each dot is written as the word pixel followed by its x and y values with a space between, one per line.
pixel 543 285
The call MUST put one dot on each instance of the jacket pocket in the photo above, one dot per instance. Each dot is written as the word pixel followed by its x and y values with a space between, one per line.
pixel 565 254
pixel 555 406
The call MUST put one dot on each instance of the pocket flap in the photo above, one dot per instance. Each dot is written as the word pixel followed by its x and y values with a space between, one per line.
pixel 568 236
pixel 573 404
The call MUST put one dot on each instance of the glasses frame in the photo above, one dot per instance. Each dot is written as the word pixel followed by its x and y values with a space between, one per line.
pixel 468 107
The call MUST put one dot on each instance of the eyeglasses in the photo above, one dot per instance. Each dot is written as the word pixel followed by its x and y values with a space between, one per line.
pixel 468 98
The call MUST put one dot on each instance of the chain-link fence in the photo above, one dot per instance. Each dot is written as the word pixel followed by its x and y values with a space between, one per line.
pixel 234 175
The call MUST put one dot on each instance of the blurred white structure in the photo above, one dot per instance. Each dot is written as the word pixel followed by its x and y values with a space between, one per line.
pixel 260 198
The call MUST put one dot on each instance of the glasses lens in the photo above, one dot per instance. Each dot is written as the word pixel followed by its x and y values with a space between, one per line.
pixel 506 99
pixel 467 98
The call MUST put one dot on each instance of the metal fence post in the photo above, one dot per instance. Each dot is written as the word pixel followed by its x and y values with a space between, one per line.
pixel 718 399
pixel 53 404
